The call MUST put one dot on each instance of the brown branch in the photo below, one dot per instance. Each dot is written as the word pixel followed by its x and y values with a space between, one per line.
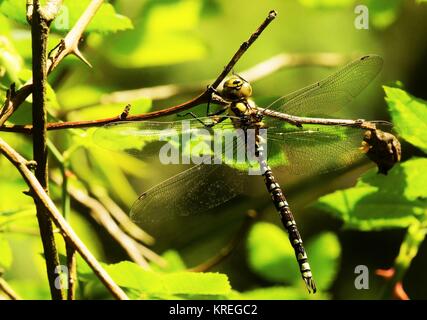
pixel 40 22
pixel 72 271
pixel 7 289
pixel 244 47
pixel 253 74
pixel 101 215
pixel 204 97
pixel 38 192
pixel 69 45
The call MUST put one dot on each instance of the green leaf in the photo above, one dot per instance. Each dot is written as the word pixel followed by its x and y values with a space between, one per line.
pixel 378 202
pixel 5 254
pixel 409 114
pixel 129 275
pixel 164 35
pixel 324 253
pixel 105 20
pixel 271 255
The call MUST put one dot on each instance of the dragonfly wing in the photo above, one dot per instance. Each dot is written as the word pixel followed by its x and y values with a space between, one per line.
pixel 193 191
pixel 333 92
pixel 316 149
pixel 133 136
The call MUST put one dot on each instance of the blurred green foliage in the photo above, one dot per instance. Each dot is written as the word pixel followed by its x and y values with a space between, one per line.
pixel 139 44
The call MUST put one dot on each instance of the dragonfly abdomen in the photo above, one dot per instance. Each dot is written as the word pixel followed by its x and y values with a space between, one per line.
pixel 288 221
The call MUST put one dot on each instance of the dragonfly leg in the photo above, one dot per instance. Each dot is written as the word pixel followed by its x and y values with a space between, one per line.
pixel 207 125
pixel 211 90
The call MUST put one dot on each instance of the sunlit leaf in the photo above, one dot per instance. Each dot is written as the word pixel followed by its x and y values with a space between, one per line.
pixel 378 201
pixel 409 115
pixel 130 275
pixel 105 20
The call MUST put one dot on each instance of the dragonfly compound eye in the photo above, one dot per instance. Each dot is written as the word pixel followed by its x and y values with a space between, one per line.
pixel 236 88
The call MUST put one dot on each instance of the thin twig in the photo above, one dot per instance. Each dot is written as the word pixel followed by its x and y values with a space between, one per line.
pixel 65 199
pixel 72 271
pixel 7 289
pixel 38 192
pixel 394 276
pixel 253 74
pixel 204 97
pixel 69 45
pixel 102 216
pixel 40 21
pixel 244 47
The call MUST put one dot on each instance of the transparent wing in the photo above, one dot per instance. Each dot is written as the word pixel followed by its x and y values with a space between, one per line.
pixel 333 92
pixel 193 191
pixel 198 189
pixel 133 136
pixel 314 149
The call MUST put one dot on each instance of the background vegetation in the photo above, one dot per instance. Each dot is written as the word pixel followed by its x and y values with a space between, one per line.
pixel 158 53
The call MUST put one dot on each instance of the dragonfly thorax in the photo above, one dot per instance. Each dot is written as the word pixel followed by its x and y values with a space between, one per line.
pixel 236 88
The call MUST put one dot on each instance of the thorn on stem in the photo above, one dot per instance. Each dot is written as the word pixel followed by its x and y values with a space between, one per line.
pixel 79 55
pixel 28 193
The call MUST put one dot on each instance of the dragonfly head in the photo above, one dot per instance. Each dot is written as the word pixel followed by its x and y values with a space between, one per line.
pixel 236 88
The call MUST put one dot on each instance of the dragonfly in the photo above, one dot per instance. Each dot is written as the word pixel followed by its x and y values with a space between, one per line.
pixel 291 127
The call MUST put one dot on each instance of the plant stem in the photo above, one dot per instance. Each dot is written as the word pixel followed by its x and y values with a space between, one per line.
pixel 7 289
pixel 204 97
pixel 69 45
pixel 65 199
pixel 408 250
pixel 39 35
pixel 38 192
